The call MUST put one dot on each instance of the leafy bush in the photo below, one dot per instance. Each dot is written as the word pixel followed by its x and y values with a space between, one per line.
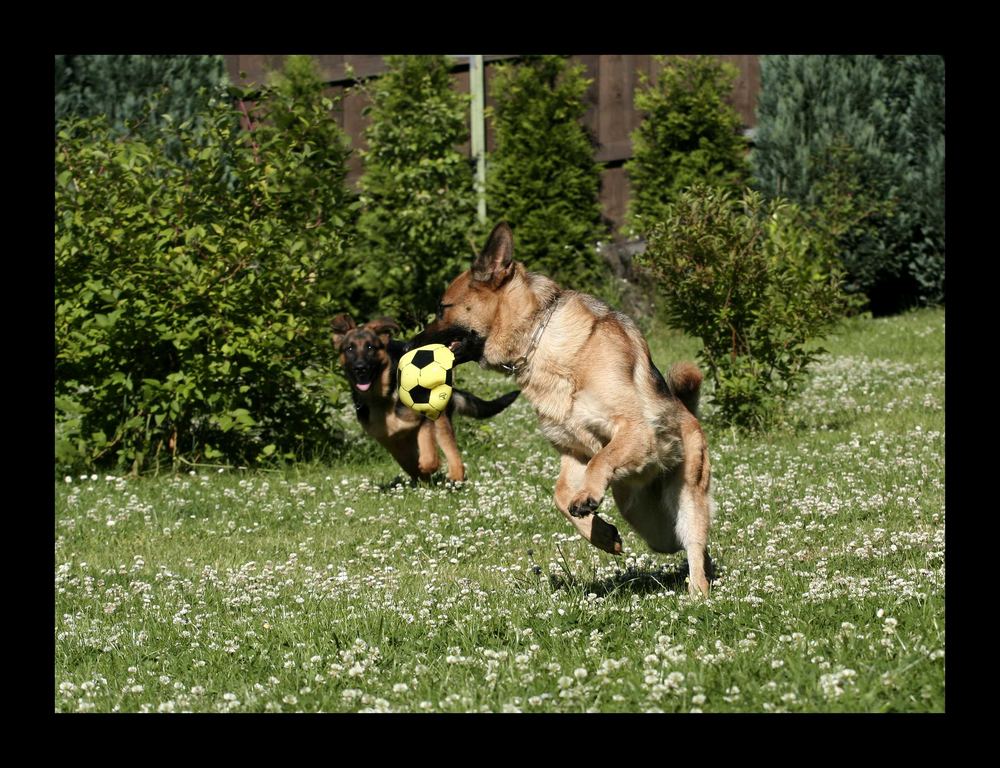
pixel 189 317
pixel 688 134
pixel 890 111
pixel 417 190
pixel 745 277
pixel 542 176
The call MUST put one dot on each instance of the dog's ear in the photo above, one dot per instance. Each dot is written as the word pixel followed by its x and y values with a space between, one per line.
pixel 384 327
pixel 495 264
pixel 340 326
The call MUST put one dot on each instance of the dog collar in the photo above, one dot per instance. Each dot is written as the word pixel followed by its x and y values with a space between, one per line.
pixel 522 363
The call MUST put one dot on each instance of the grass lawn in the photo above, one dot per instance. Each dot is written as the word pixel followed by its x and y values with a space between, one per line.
pixel 325 588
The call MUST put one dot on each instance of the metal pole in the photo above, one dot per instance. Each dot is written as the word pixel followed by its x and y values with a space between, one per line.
pixel 478 131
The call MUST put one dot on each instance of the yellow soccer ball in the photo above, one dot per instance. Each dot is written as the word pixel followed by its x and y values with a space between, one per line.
pixel 424 379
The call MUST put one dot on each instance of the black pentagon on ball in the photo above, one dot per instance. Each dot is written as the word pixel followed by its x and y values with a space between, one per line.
pixel 423 357
pixel 420 394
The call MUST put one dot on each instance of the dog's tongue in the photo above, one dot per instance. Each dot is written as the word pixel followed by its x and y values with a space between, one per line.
pixel 363 387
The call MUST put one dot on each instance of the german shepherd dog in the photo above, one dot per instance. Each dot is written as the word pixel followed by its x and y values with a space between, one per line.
pixel 369 356
pixel 600 401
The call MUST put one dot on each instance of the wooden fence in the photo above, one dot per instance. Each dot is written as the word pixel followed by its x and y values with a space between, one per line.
pixel 611 115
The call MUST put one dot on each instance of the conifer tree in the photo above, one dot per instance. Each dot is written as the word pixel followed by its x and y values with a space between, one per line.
pixel 688 134
pixel 889 112
pixel 418 203
pixel 542 176
pixel 135 91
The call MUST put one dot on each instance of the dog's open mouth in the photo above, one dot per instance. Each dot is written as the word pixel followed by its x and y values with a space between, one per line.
pixel 363 378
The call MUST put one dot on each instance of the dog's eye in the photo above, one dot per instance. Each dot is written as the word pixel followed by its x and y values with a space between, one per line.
pixel 441 309
pixel 350 347
pixel 369 347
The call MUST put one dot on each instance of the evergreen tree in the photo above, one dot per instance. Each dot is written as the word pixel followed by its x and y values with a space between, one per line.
pixel 542 176
pixel 418 202
pixel 688 134
pixel 889 111
pixel 135 91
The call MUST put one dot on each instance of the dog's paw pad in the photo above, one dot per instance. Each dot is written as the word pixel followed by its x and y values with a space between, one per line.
pixel 605 536
pixel 584 507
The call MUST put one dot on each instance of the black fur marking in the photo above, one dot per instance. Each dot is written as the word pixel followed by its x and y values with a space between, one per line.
pixel 396 350
pixel 588 507
pixel 661 383
pixel 361 409
pixel 479 408
pixel 471 343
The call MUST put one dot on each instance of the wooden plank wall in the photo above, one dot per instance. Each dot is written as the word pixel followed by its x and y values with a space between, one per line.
pixel 611 115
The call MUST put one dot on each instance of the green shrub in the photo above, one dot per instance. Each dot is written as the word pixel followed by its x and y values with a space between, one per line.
pixel 688 135
pixel 747 278
pixel 417 189
pixel 189 319
pixel 542 176
pixel 890 111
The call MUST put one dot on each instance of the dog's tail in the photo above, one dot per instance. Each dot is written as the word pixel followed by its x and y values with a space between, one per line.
pixel 684 380
pixel 468 404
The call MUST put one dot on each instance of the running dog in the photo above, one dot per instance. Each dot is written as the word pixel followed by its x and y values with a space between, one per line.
pixel 369 356
pixel 612 416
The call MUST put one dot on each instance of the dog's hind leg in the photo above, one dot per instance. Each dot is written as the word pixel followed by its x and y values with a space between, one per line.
pixel 597 531
pixel 694 511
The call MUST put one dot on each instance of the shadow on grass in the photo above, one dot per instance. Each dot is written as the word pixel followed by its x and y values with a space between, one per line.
pixel 632 581
pixel 438 480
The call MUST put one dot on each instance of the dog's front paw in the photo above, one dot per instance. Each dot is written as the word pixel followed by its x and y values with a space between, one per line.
pixel 583 504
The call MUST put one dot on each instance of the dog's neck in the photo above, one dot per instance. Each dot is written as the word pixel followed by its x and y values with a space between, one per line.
pixel 530 301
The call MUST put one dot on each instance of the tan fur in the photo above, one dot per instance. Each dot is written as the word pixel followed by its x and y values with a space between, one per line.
pixel 615 422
